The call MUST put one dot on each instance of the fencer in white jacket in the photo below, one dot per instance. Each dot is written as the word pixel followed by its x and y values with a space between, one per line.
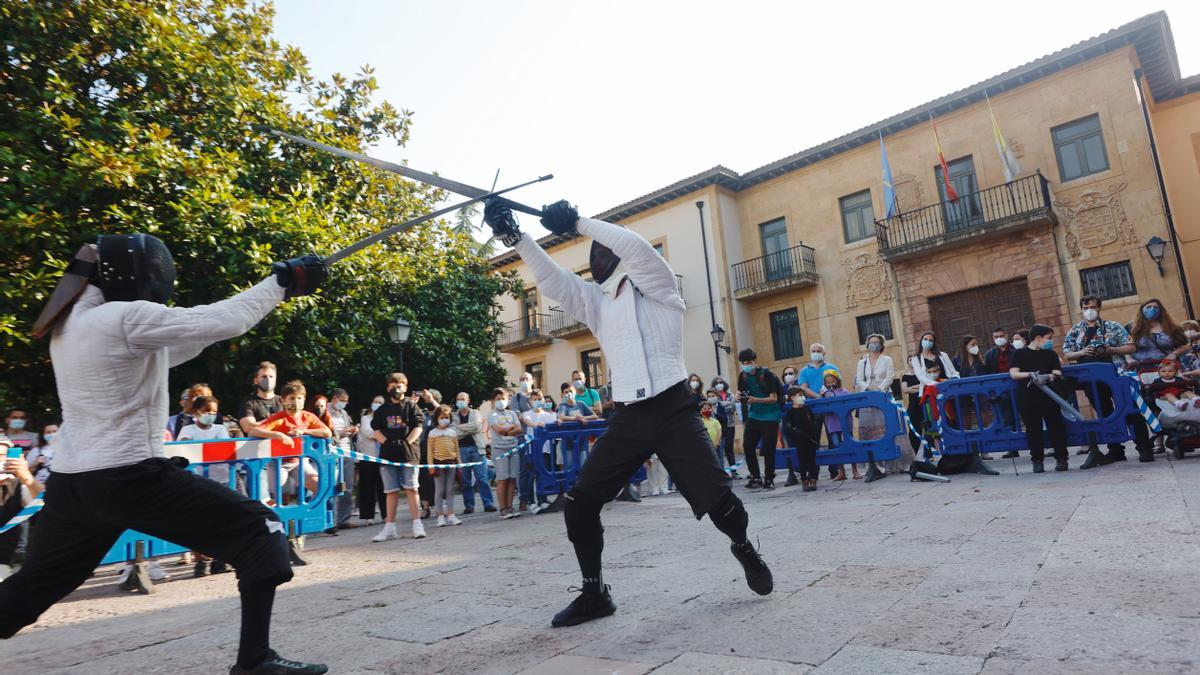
pixel 634 309
pixel 112 343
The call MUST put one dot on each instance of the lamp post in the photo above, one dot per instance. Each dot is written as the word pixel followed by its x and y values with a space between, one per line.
pixel 712 308
pixel 718 336
pixel 1157 248
pixel 398 331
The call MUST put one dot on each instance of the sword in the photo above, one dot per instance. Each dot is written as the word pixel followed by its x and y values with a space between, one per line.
pixel 396 229
pixel 1068 410
pixel 427 178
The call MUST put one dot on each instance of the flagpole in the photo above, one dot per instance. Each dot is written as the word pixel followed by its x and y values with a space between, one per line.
pixel 1012 197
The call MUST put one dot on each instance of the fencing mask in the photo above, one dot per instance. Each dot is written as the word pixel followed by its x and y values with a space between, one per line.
pixel 135 267
pixel 603 262
pixel 74 280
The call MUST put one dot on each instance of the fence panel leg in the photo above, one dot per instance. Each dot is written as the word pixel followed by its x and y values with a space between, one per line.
pixel 139 574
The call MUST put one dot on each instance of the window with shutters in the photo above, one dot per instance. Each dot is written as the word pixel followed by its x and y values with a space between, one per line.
pixel 785 334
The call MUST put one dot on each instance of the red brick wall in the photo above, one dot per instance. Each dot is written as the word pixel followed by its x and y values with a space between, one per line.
pixel 1029 253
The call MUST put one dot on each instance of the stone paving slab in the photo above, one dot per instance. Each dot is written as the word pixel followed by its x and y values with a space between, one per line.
pixel 1078 572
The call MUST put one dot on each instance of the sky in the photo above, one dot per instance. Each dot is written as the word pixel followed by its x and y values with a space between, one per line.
pixel 618 99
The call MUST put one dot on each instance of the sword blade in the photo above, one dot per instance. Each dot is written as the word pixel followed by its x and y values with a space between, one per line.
pixel 408 172
pixel 1068 410
pixel 397 229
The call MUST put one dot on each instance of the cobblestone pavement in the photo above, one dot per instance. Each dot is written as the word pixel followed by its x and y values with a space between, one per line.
pixel 1080 572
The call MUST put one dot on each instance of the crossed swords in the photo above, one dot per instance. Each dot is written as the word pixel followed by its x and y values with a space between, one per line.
pixel 475 194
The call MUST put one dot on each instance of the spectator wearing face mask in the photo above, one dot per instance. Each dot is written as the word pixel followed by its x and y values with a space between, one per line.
pixel 540 417
pixel 443 449
pixel 875 372
pixel 726 407
pixel 696 388
pixel 370 485
pixel 585 395
pixel 1020 340
pixel 263 402
pixel 928 357
pixel 571 409
pixel 996 358
pixel 188 416
pixel 287 424
pixel 18 488
pixel 1190 361
pixel 759 390
pixel 344 431
pixel 398 425
pixel 1039 362
pixel 801 432
pixel 472 446
pixel 506 431
pixel 204 411
pixel 522 404
pixel 811 379
pixel 41 458
pixel 968 362
pixel 17 432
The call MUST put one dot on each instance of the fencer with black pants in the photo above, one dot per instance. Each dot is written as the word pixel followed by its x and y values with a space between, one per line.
pixel 111 472
pixel 634 309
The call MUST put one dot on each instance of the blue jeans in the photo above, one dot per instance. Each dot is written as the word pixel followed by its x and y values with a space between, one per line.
pixel 473 476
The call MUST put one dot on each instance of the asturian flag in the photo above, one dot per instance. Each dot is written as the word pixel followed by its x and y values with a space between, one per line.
pixel 1007 159
pixel 889 188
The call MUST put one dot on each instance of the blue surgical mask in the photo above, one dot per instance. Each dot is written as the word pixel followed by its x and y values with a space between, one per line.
pixel 926 344
pixel 17 424
pixel 50 436
pixel 1150 312
pixel 460 404
pixel 748 369
pixel 1048 344
pixel 208 418
pixel 375 406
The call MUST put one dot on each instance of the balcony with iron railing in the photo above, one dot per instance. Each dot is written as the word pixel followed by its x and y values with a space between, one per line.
pixel 794 267
pixel 563 325
pixel 1023 203
pixel 528 331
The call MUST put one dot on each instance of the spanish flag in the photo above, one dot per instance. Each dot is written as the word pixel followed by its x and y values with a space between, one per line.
pixel 950 193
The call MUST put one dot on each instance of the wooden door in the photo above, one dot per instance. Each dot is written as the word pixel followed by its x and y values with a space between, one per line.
pixel 978 311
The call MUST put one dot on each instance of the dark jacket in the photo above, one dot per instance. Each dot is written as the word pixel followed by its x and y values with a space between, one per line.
pixel 992 357
pixel 799 428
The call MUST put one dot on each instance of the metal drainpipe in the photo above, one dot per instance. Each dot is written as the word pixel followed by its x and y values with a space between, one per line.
pixel 712 309
pixel 1162 189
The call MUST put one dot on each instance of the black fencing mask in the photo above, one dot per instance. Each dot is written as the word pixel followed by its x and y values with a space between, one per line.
pixel 135 267
pixel 603 262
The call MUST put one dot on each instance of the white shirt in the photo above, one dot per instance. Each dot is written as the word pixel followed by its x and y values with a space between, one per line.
pixel 641 329
pixel 341 421
pixel 876 377
pixel 110 366
pixel 918 366
pixel 194 432
pixel 366 442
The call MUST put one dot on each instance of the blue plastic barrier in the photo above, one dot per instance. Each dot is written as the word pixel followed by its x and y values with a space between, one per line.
pixel 573 442
pixel 993 423
pixel 303 515
pixel 854 450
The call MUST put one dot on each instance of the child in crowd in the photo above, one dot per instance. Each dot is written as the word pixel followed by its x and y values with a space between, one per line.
pixel 1039 362
pixel 572 410
pixel 1189 363
pixel 505 430
pixel 1175 388
pixel 929 409
pixel 204 411
pixel 833 423
pixel 288 424
pixel 539 416
pixel 443 449
pixel 801 432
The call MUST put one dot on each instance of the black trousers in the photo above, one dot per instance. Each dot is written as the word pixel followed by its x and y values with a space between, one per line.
pixel 1033 414
pixel 768 434
pixel 806 454
pixel 370 491
pixel 667 425
pixel 727 433
pixel 86 512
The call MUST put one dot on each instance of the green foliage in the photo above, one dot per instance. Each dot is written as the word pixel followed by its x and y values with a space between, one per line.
pixel 135 115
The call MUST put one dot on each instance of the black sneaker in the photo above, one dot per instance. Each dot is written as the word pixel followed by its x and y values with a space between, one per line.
pixel 791 480
pixel 586 607
pixel 490 509
pixel 753 483
pixel 468 510
pixel 218 567
pixel 768 485
pixel 758 575
pixel 1117 456
pixel 1010 454
pixel 275 664
pixel 1061 465
pixel 1038 466
pixel 294 555
pixel 201 569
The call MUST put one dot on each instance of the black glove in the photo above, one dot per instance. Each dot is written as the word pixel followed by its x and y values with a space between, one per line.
pixel 560 217
pixel 498 216
pixel 300 276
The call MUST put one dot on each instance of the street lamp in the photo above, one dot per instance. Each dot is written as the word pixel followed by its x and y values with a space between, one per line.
pixel 1157 248
pixel 398 331
pixel 718 336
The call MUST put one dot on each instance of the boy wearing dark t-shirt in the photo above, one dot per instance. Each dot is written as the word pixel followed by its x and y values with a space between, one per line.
pixel 1039 364
pixel 397 426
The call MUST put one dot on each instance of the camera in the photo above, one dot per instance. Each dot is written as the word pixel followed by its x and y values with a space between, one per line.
pixel 1099 347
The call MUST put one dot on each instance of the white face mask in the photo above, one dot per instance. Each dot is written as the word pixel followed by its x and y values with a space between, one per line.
pixel 1191 334
pixel 720 386
pixel 695 384
pixel 973 349
pixel 789 378
pixel 525 386
pixel 443 422
pixel 1090 314
pixel 817 357
pixel 1000 342
pixel 375 406
pixel 339 406
pixel 208 418
pixel 797 400
pixel 501 403
pixel 1018 344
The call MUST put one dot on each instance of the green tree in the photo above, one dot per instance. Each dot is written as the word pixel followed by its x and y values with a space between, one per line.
pixel 136 115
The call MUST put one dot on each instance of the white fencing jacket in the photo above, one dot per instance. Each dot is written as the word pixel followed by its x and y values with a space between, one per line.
pixel 110 365
pixel 641 330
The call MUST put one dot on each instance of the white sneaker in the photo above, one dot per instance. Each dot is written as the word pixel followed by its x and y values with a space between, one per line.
pixel 388 532
pixel 157 573
pixel 505 514
pixel 513 513
pixel 364 522
pixel 441 521
pixel 453 520
pixel 535 508
pixel 418 530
